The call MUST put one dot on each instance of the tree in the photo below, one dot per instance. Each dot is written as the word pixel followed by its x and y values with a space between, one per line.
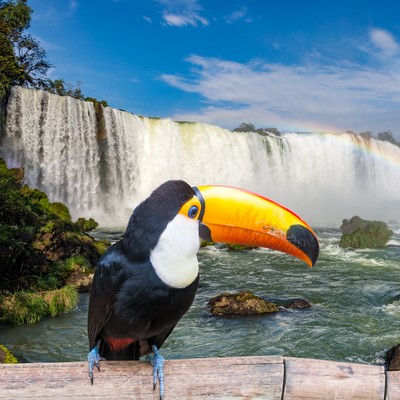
pixel 387 136
pixel 22 59
pixel 366 135
pixel 58 86
pixel 8 65
pixel 245 127
pixel 249 127
pixel 31 59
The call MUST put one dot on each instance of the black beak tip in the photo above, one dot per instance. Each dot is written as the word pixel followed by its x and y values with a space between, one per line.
pixel 205 233
pixel 304 240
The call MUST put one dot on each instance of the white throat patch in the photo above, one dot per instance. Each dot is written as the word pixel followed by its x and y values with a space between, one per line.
pixel 174 258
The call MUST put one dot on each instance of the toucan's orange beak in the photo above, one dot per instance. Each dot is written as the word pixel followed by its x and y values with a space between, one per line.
pixel 236 216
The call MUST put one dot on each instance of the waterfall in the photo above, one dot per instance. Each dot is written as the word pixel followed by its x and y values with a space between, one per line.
pixel 103 162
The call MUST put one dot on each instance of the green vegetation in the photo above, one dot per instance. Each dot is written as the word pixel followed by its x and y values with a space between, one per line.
pixel 58 86
pixel 6 357
pixel 239 247
pixel 40 248
pixel 22 59
pixel 385 136
pixel 359 233
pixel 28 307
pixel 249 127
pixel 86 225
pixel 233 247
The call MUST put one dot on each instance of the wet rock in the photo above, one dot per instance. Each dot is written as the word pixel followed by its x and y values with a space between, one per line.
pixel 393 358
pixel 86 225
pixel 242 303
pixel 82 281
pixel 358 233
pixel 294 304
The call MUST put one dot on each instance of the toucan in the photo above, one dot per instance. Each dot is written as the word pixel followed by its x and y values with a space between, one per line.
pixel 146 282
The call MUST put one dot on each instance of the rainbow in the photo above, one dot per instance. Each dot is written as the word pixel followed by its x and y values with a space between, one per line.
pixel 381 151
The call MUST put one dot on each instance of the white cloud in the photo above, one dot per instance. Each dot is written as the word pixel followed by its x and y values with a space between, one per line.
pixel 180 20
pixel 310 96
pixel 147 19
pixel 237 15
pixel 384 42
pixel 181 13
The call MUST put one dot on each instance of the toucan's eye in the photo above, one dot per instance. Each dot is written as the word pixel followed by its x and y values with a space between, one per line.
pixel 193 211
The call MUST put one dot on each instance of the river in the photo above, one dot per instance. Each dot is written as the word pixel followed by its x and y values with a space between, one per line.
pixel 355 313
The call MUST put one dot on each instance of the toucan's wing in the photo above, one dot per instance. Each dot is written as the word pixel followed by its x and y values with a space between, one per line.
pixel 107 279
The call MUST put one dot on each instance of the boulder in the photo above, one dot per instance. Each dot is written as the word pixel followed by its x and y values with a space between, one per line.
pixel 82 281
pixel 293 304
pixel 361 234
pixel 86 225
pixel 242 303
pixel 393 358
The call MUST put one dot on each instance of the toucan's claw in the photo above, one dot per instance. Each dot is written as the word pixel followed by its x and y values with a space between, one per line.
pixel 157 361
pixel 94 360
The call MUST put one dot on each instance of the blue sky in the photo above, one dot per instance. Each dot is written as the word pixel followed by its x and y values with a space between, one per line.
pixel 296 65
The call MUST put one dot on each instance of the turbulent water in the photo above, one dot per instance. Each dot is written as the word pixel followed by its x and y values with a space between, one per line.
pixel 355 313
pixel 101 164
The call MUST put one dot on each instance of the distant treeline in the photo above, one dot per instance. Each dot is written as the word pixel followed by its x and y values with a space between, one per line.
pixel 386 136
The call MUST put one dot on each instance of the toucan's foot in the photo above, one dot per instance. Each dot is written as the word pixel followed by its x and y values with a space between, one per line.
pixel 94 360
pixel 157 361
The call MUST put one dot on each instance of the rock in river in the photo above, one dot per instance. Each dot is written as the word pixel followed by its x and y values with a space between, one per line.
pixel 242 303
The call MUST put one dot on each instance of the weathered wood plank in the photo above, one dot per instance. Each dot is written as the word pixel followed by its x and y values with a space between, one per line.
pixel 309 379
pixel 222 378
pixel 393 385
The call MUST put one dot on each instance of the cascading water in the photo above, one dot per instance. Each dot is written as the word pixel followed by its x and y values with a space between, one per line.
pixel 102 163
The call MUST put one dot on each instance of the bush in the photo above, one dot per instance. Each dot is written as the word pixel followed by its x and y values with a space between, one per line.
pixel 35 235
pixel 76 263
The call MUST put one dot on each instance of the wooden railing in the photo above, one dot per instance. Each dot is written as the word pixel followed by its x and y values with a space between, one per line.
pixel 269 378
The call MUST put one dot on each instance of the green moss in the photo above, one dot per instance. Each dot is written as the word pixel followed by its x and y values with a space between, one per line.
pixel 23 307
pixel 6 357
pixel 359 233
pixel 102 246
pixel 60 210
pixel 86 225
pixel 30 307
pixel 239 247
pixel 204 243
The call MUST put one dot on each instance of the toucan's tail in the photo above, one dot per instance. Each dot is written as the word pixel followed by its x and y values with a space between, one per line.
pixel 130 352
